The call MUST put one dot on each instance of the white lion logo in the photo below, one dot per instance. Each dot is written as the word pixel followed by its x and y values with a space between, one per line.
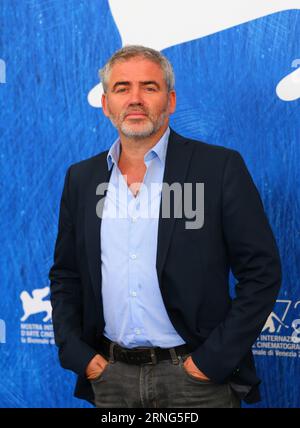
pixel 36 304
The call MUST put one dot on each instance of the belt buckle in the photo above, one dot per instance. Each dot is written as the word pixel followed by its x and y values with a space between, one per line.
pixel 153 356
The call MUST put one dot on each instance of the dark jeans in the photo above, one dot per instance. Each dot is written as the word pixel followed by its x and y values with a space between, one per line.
pixel 164 384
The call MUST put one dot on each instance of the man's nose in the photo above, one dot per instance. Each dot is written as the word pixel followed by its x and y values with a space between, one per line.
pixel 135 97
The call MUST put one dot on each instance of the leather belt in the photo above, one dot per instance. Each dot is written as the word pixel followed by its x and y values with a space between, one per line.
pixel 115 352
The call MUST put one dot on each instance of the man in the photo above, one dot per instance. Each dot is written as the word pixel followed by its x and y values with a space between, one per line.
pixel 141 304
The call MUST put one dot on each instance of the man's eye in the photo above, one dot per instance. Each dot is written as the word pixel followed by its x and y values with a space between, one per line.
pixel 120 90
pixel 150 89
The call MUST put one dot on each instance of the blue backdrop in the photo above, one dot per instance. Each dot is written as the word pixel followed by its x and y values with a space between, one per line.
pixel 225 84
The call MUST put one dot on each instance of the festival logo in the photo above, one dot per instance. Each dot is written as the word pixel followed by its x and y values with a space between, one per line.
pixel 288 89
pixel 199 21
pixel 34 306
pixel 280 336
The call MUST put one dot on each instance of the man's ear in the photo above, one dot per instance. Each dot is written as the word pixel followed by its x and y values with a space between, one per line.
pixel 172 101
pixel 104 105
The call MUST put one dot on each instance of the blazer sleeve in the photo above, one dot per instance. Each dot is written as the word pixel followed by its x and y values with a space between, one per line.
pixel 255 263
pixel 65 292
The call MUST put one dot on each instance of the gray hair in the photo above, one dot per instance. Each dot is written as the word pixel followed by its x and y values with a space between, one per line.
pixel 133 51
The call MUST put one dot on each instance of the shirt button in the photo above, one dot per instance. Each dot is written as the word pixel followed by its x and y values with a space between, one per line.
pixel 137 331
pixel 133 256
pixel 134 219
pixel 133 293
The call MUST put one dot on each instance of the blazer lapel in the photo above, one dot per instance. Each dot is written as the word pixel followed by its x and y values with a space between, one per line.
pixel 178 156
pixel 100 174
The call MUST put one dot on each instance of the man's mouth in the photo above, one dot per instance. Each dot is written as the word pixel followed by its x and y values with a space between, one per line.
pixel 135 115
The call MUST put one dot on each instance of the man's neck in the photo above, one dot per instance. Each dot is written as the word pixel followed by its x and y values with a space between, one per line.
pixel 133 150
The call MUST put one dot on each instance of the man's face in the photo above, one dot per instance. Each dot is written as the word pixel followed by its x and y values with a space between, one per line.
pixel 137 101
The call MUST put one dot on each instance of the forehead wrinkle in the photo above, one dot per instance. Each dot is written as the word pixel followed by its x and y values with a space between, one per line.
pixel 123 72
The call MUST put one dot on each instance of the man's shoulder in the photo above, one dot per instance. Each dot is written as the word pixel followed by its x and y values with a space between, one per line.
pixel 87 165
pixel 202 147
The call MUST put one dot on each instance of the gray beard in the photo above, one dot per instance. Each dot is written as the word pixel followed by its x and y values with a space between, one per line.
pixel 150 128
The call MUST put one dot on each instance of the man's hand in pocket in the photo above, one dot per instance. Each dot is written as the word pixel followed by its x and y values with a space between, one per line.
pixel 193 370
pixel 95 367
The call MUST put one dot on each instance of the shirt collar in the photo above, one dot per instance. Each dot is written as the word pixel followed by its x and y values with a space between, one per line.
pixel 159 150
pixel 113 154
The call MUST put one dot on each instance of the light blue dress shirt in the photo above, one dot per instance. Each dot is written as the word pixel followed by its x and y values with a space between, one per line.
pixel 134 311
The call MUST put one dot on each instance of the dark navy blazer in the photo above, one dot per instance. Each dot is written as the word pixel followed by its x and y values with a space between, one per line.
pixel 192 266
